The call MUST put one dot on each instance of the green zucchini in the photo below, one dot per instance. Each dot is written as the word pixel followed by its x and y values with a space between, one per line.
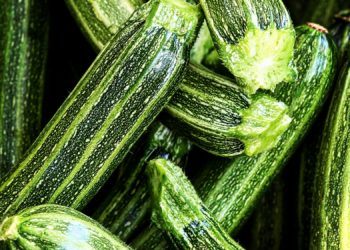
pixel 330 202
pixel 203 45
pixel 56 227
pixel 322 11
pixel 220 118
pixel 178 209
pixel 267 226
pixel 231 188
pixel 127 205
pixel 254 40
pixel 23 52
pixel 107 111
pixel 308 159
pixel 108 17
pixel 340 31
pixel 203 113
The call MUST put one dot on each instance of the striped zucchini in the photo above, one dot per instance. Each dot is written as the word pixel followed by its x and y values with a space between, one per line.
pixel 178 209
pixel 23 50
pixel 340 31
pixel 56 227
pixel 231 188
pixel 124 209
pixel 254 40
pixel 122 92
pixel 330 202
pixel 203 113
pixel 220 118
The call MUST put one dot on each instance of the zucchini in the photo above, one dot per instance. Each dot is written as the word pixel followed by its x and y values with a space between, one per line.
pixel 56 227
pixel 109 16
pixel 23 53
pixel 322 11
pixel 267 226
pixel 254 40
pixel 201 111
pixel 231 188
pixel 330 202
pixel 340 31
pixel 218 117
pixel 203 45
pixel 178 209
pixel 106 112
pixel 128 204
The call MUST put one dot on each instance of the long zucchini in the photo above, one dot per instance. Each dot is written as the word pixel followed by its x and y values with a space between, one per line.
pixel 178 209
pixel 254 40
pixel 230 188
pixel 125 207
pixel 212 111
pixel 23 50
pixel 56 227
pixel 122 92
pixel 330 202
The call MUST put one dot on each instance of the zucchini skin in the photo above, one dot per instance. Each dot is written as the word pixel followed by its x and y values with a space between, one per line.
pixel 322 11
pixel 23 53
pixel 124 209
pixel 106 112
pixel 217 116
pixel 178 209
pixel 231 188
pixel 330 204
pixel 340 30
pixel 254 40
pixel 56 227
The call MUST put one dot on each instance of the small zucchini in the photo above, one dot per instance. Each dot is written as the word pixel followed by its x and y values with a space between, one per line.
pixel 231 188
pixel 56 227
pixel 128 202
pixel 254 40
pixel 330 200
pixel 112 105
pixel 178 210
pixel 23 53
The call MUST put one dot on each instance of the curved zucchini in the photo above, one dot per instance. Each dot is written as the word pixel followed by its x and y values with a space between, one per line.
pixel 340 30
pixel 118 97
pixel 231 188
pixel 23 52
pixel 124 209
pixel 330 202
pixel 178 209
pixel 56 227
pixel 254 40
pixel 220 118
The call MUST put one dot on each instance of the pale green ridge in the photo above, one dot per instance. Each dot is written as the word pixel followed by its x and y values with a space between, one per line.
pixel 203 45
pixel 261 59
pixel 8 228
pixel 262 124
pixel 176 16
pixel 179 210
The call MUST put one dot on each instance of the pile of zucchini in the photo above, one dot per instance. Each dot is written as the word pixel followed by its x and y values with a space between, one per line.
pixel 177 134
